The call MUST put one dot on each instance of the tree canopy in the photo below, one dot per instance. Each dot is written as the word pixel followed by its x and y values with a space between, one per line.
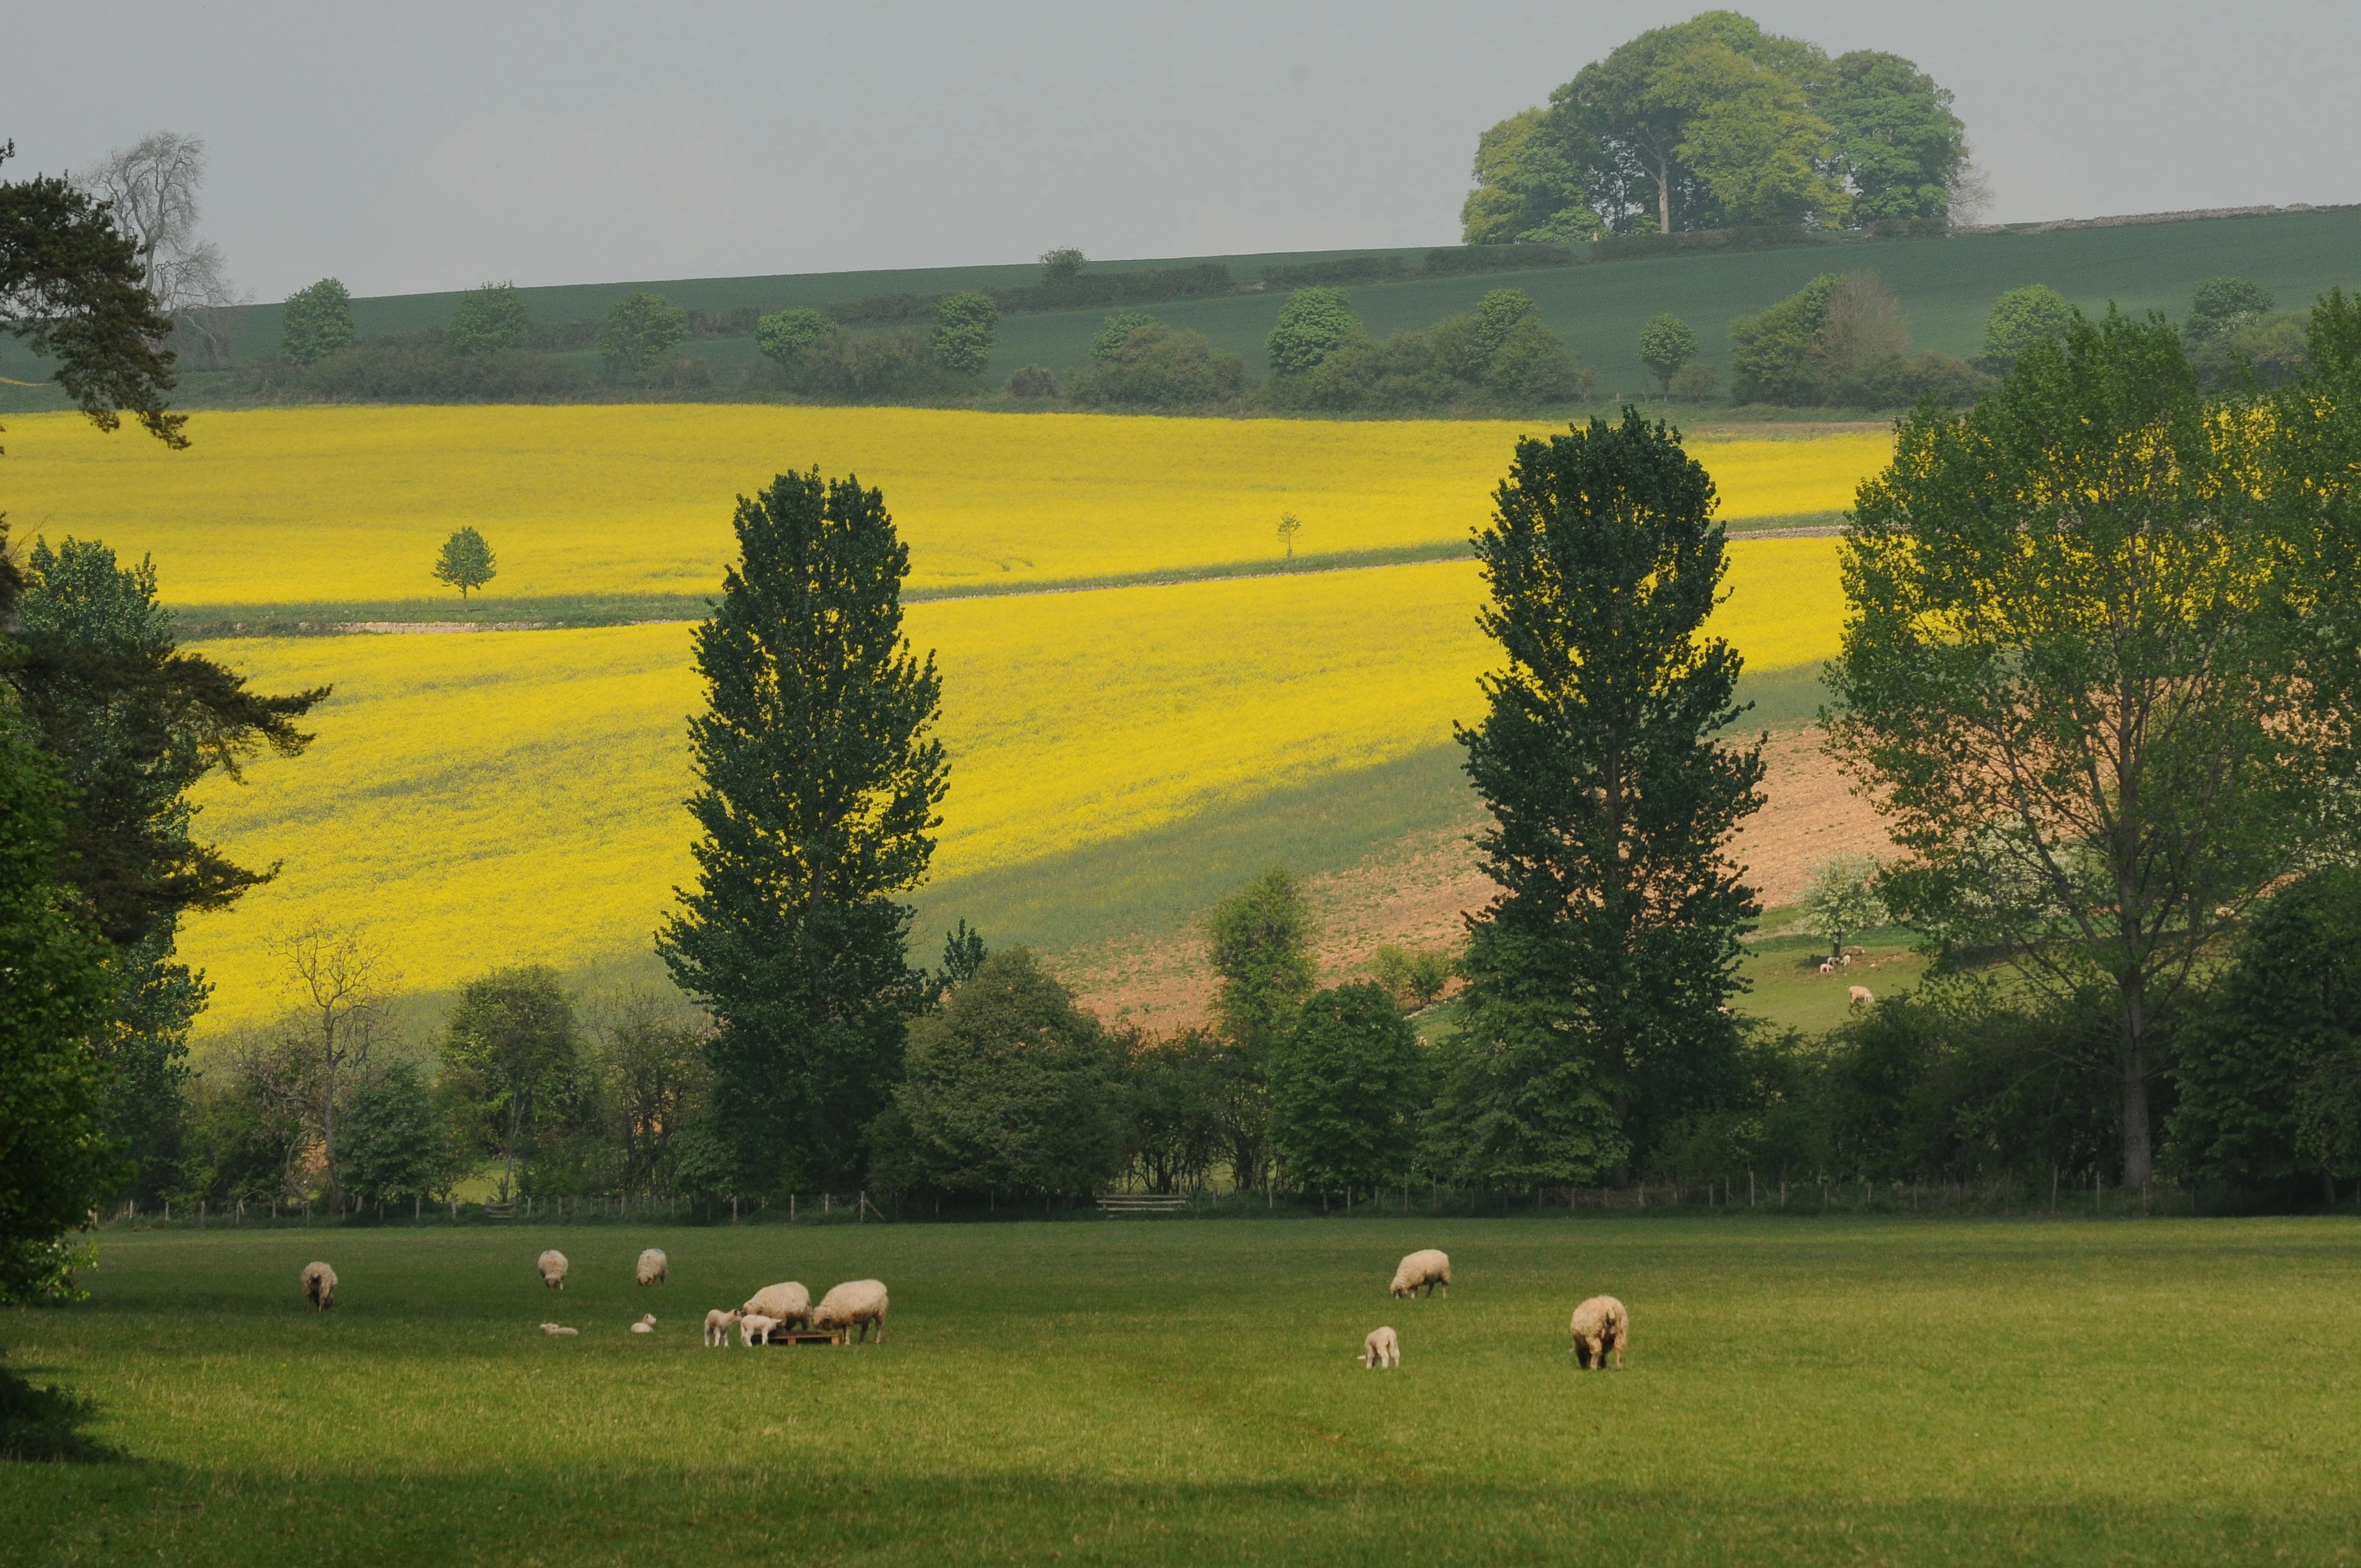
pixel 489 318
pixel 1713 122
pixel 318 321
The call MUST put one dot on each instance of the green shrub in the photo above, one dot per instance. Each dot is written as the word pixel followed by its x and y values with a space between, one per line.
pixel 1158 368
pixel 1533 366
pixel 1033 381
pixel 783 335
pixel 489 320
pixel 1692 383
pixel 638 332
pixel 967 326
pixel 2021 318
pixel 318 321
pixel 1313 325
pixel 1347 1082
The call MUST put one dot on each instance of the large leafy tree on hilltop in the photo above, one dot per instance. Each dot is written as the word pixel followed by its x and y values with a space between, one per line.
pixel 820 779
pixel 1597 976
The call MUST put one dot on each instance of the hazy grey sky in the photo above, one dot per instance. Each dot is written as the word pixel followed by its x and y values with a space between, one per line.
pixel 431 145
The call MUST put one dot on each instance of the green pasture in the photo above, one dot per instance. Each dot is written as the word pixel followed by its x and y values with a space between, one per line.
pixel 1945 286
pixel 1799 1390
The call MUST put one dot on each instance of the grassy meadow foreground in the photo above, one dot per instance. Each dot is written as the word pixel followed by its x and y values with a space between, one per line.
pixel 1799 1390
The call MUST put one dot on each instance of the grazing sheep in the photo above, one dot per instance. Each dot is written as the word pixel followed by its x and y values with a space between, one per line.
pixel 856 1304
pixel 1859 996
pixel 755 1329
pixel 718 1324
pixel 555 1329
pixel 1382 1348
pixel 552 1264
pixel 646 1325
pixel 1600 1325
pixel 1429 1268
pixel 652 1266
pixel 787 1303
pixel 319 1286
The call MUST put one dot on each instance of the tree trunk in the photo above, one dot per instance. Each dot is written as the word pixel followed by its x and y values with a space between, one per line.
pixel 1664 193
pixel 2139 1164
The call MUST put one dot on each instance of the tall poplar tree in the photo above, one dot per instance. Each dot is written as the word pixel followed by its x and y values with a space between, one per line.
pixel 821 776
pixel 1597 977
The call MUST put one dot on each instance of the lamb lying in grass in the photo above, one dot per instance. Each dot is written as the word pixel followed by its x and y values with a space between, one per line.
pixel 653 1268
pixel 1429 1268
pixel 555 1329
pixel 755 1329
pixel 718 1324
pixel 319 1286
pixel 1600 1325
pixel 553 1265
pixel 856 1304
pixel 1382 1348
pixel 646 1325
pixel 786 1303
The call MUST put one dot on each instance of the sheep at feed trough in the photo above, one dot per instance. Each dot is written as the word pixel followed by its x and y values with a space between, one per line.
pixel 319 1286
pixel 1600 1325
pixel 855 1305
pixel 1382 1348
pixel 1429 1268
pixel 555 1331
pixel 718 1324
pixel 1859 996
pixel 552 1264
pixel 646 1325
pixel 652 1266
pixel 785 1303
pixel 755 1329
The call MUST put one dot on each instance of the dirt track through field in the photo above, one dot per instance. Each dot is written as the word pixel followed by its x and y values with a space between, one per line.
pixel 1418 891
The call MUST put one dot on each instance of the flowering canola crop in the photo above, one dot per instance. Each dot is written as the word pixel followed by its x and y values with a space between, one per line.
pixel 493 798
pixel 307 505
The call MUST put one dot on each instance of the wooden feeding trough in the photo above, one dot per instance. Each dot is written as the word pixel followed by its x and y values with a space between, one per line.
pixel 804 1336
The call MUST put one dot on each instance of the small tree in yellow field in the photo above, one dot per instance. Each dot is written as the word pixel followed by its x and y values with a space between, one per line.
pixel 466 561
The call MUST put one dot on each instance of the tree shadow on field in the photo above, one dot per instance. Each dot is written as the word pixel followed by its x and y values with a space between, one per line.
pixel 43 1425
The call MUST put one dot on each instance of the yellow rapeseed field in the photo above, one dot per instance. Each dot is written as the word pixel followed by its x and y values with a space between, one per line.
pixel 516 796
pixel 290 506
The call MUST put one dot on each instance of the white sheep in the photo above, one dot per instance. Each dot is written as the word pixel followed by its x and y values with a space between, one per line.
pixel 855 1305
pixel 785 1303
pixel 555 1331
pixel 1382 1348
pixel 552 1266
pixel 755 1329
pixel 319 1286
pixel 718 1324
pixel 1429 1268
pixel 646 1325
pixel 652 1266
pixel 1600 1325
pixel 1828 966
pixel 1859 996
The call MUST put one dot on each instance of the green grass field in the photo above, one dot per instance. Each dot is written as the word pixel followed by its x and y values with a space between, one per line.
pixel 1947 288
pixel 1799 1390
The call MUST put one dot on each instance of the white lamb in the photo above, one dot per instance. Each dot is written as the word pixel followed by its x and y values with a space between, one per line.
pixel 718 1324
pixel 652 1266
pixel 854 1305
pixel 646 1325
pixel 1382 1348
pixel 556 1330
pixel 755 1329
pixel 319 1286
pixel 786 1303
pixel 553 1265
pixel 1429 1268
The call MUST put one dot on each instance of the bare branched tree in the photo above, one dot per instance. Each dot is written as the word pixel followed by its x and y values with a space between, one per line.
pixel 339 980
pixel 151 189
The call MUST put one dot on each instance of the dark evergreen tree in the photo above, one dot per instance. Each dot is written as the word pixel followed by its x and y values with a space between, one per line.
pixel 133 723
pixel 820 779
pixel 56 991
pixel 1347 1081
pixel 1597 976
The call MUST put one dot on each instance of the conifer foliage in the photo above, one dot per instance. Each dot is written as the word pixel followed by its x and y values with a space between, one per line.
pixel 1597 976
pixel 820 780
